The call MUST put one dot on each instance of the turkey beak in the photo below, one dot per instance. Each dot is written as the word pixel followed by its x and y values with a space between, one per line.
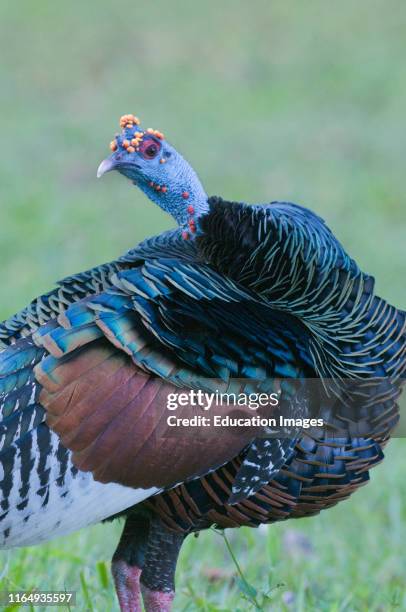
pixel 106 166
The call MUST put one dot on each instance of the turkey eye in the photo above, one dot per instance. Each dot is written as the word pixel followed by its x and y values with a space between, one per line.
pixel 149 149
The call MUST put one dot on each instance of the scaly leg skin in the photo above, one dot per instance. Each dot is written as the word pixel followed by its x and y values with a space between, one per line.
pixel 158 574
pixel 157 601
pixel 127 583
pixel 127 563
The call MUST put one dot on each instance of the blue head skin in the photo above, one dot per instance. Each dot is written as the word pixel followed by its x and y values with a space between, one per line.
pixel 152 164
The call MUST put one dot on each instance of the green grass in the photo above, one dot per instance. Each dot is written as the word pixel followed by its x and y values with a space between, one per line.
pixel 286 100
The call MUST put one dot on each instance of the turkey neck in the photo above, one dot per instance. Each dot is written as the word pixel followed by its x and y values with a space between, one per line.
pixel 185 200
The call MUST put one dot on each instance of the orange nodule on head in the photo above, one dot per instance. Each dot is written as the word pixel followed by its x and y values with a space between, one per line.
pixel 132 140
pixel 129 121
pixel 156 133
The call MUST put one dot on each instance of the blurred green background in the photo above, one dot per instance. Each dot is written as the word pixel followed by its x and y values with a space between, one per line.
pixel 301 101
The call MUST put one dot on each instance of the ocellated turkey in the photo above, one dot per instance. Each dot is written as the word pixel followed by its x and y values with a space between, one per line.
pixel 235 294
